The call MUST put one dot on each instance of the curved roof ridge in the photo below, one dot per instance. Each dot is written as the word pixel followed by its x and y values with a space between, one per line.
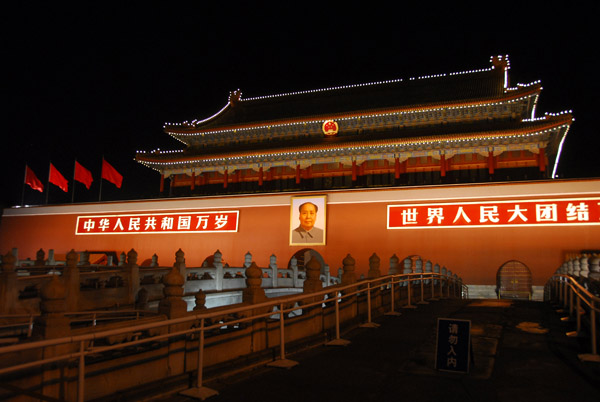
pixel 518 93
pixel 196 122
pixel 349 86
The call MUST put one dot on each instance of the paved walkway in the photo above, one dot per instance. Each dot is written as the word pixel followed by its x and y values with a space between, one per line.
pixel 520 352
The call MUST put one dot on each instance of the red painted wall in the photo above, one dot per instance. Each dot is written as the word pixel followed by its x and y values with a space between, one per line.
pixel 356 224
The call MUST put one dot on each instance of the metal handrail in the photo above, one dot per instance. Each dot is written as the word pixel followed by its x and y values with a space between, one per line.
pixel 235 315
pixel 567 288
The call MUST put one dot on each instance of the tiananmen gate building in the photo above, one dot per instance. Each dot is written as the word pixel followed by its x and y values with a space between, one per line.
pixel 455 168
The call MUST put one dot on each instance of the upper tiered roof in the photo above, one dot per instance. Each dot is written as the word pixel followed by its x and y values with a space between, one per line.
pixel 475 106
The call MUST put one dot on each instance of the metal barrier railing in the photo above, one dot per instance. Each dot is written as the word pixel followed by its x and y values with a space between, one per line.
pixel 572 295
pixel 203 323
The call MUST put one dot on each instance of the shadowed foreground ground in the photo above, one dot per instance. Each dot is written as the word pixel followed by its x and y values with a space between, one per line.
pixel 520 352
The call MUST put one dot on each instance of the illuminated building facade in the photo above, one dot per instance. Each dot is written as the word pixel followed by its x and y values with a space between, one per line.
pixel 462 127
pixel 443 167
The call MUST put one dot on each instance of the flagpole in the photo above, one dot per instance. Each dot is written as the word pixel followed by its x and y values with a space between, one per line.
pixel 23 189
pixel 101 167
pixel 48 182
pixel 73 191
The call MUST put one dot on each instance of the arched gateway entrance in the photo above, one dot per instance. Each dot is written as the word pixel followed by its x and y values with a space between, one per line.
pixel 304 256
pixel 513 281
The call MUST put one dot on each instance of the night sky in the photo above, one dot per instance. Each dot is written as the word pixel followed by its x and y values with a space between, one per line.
pixel 89 81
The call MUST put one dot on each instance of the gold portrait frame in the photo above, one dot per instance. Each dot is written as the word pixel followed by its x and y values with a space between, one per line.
pixel 316 236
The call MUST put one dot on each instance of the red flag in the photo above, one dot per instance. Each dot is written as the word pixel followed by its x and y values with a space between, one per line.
pixel 55 177
pixel 83 175
pixel 32 180
pixel 110 173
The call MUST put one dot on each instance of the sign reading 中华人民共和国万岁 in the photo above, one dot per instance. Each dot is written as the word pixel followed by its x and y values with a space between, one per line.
pixel 453 345
pixel 181 222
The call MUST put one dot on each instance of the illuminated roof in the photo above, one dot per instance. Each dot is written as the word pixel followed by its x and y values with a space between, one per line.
pixel 443 89
pixel 470 108
pixel 481 133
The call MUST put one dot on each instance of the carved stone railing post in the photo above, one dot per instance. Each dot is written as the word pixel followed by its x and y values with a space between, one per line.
pixel 154 261
pixel 407 269
pixel 576 268
pixel 180 263
pixel 274 270
pixel 570 267
pixel 40 258
pixel 563 268
pixel 326 275
pixel 219 272
pixel 374 271
pixel 443 282
pixel 312 283
pixel 294 266
pixel 173 305
pixel 9 293
pixel 141 302
pixel 436 270
pixel 200 298
pixel 72 281
pixel 253 293
pixel 418 269
pixel 594 265
pixel 51 261
pixel 394 268
pixel 133 273
pixel 15 253
pixel 52 323
pixel 428 270
pixel 122 259
pixel 349 266
pixel 584 269
pixel 247 259
pixel 84 258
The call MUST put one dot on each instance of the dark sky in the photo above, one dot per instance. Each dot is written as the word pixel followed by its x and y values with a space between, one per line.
pixel 90 81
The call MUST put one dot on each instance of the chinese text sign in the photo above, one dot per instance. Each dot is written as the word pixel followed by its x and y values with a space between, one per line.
pixel 184 222
pixel 453 346
pixel 547 212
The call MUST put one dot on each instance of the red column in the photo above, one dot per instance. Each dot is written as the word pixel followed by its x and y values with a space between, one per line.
pixel 297 174
pixel 225 179
pixel 397 168
pixel 260 176
pixel 443 165
pixel 542 159
pixel 491 162
pixel 354 170
pixel 193 186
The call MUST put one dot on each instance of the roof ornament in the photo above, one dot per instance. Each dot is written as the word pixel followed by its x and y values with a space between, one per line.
pixel 500 62
pixel 235 97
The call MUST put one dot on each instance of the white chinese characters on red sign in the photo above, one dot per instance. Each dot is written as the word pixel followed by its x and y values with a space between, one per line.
pixel 185 222
pixel 501 213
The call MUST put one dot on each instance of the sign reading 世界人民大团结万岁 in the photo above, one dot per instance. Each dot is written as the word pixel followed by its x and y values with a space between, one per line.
pixel 543 212
pixel 181 222
pixel 453 345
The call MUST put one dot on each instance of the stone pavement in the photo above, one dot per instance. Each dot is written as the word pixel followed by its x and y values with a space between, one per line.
pixel 520 353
